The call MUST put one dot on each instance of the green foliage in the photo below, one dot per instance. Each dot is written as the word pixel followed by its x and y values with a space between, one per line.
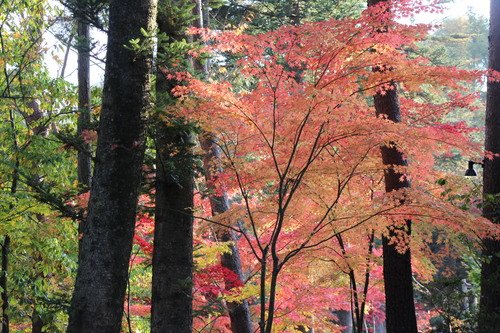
pixel 177 15
pixel 36 175
pixel 464 41
pixel 94 12
pixel 266 15
pixel 173 52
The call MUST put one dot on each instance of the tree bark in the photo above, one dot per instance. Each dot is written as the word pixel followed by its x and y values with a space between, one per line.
pixel 239 313
pixel 37 323
pixel 84 107
pixel 489 313
pixel 398 283
pixel 4 283
pixel 172 309
pixel 97 304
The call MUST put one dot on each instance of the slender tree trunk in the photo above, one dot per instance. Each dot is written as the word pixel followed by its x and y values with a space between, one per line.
pixel 239 312
pixel 84 107
pixel 97 304
pixel 489 314
pixel 37 323
pixel 172 308
pixel 4 274
pixel 4 283
pixel 398 283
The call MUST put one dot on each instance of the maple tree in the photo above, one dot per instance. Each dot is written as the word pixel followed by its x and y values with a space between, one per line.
pixel 398 281
pixel 294 179
pixel 300 157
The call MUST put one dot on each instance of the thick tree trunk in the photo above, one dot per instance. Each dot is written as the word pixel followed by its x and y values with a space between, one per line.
pixel 37 323
pixel 97 304
pixel 345 318
pixel 239 312
pixel 172 309
pixel 489 314
pixel 173 237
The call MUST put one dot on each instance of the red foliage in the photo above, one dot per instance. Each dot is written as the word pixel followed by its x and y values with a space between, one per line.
pixel 216 280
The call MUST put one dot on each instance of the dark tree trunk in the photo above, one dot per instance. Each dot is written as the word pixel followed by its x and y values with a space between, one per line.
pixel 398 283
pixel 4 283
pixel 489 313
pixel 239 312
pixel 37 323
pixel 97 304
pixel 173 241
pixel 84 107
pixel 172 309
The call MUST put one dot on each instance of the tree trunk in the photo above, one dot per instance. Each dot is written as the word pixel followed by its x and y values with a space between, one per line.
pixel 398 283
pixel 489 313
pixel 172 309
pixel 239 312
pixel 84 107
pixel 4 283
pixel 37 323
pixel 97 304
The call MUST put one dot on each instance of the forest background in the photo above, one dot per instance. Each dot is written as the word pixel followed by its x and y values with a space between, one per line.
pixel 332 280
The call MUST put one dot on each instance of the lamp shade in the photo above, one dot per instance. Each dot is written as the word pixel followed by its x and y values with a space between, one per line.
pixel 470 170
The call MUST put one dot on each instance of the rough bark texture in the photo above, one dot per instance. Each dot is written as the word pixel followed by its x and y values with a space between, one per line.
pixel 172 308
pixel 84 157
pixel 489 314
pixel 101 281
pixel 239 312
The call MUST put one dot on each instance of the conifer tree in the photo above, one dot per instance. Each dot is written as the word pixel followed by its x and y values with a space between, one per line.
pixel 97 304
pixel 172 308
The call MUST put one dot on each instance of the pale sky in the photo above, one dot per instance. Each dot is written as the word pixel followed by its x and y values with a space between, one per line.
pixel 460 7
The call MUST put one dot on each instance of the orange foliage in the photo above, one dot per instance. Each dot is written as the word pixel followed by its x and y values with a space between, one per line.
pixel 300 146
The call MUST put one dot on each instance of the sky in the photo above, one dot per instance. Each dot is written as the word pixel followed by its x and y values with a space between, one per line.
pixel 460 7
